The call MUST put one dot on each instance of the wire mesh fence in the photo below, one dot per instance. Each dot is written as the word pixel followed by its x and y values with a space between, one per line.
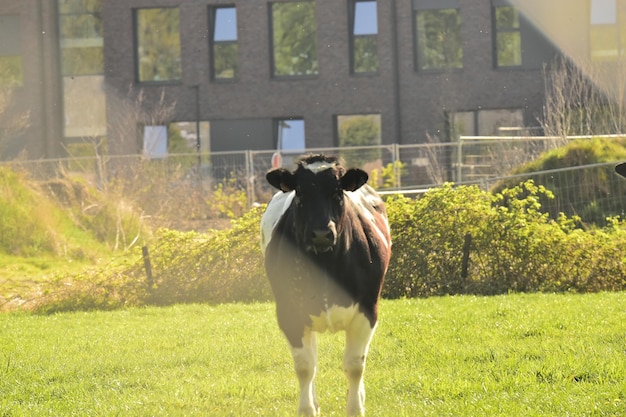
pixel 186 185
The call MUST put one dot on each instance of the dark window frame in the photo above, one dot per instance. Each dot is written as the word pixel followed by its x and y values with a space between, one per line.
pixel 135 14
pixel 418 54
pixel 618 25
pixel 495 31
pixel 278 142
pixel 77 13
pixel 353 38
pixel 213 43
pixel 272 51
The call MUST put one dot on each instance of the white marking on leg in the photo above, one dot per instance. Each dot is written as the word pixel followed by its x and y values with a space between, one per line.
pixel 358 338
pixel 305 364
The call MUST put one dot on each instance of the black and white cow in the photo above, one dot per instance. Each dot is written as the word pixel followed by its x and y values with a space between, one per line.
pixel 327 246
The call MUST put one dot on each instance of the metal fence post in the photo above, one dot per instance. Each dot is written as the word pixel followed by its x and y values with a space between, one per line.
pixel 459 161
pixel 249 177
pixel 397 170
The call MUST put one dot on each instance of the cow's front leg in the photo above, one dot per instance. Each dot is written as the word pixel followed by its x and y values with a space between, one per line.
pixel 305 363
pixel 358 337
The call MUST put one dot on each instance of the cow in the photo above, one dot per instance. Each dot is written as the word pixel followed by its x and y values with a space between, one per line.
pixel 326 242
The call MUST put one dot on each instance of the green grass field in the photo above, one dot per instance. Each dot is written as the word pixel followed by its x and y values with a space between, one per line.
pixel 515 355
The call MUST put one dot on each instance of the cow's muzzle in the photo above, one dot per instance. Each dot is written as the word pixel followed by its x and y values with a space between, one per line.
pixel 323 240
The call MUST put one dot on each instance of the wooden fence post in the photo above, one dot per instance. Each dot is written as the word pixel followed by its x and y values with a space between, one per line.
pixel 148 266
pixel 466 253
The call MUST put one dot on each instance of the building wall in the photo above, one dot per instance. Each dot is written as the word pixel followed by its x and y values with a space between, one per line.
pixel 412 104
pixel 425 97
pixel 256 94
pixel 38 98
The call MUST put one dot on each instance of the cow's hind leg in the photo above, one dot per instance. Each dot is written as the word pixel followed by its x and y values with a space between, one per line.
pixel 358 337
pixel 305 363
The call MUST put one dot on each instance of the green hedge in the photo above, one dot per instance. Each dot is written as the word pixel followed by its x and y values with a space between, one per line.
pixel 591 193
pixel 453 240
pixel 514 246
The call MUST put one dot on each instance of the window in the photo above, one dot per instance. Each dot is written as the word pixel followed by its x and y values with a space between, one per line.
pixel 438 39
pixel 294 43
pixel 608 29
pixel 224 42
pixel 486 122
pixel 290 135
pixel 82 66
pixel 158 45
pixel 359 130
pixel 10 51
pixel 182 137
pixel 80 27
pixel 508 39
pixel 155 141
pixel 364 40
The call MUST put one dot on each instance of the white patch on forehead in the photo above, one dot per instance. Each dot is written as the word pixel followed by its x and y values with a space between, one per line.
pixel 319 166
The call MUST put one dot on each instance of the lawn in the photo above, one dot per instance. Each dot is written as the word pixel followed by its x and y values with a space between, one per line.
pixel 513 355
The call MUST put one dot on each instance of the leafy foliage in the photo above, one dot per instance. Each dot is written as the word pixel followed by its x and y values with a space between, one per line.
pixel 387 176
pixel 216 267
pixel 221 266
pixel 453 240
pixel 597 192
pixel 228 200
pixel 514 246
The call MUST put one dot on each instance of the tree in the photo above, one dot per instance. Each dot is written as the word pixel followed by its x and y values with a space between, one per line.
pixel 578 103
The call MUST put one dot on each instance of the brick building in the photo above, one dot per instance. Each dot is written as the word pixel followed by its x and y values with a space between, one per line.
pixel 146 75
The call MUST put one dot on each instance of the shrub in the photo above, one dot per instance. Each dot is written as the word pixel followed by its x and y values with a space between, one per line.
pixel 514 246
pixel 187 267
pixel 220 266
pixel 109 218
pixel 592 193
pixel 109 288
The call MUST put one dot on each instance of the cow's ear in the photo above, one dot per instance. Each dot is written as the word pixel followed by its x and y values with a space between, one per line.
pixel 282 179
pixel 353 179
pixel 621 169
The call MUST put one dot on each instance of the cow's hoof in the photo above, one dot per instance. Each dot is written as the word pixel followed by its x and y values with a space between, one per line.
pixel 355 411
pixel 309 411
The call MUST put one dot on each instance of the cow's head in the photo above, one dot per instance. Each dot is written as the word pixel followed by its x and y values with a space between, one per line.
pixel 319 183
